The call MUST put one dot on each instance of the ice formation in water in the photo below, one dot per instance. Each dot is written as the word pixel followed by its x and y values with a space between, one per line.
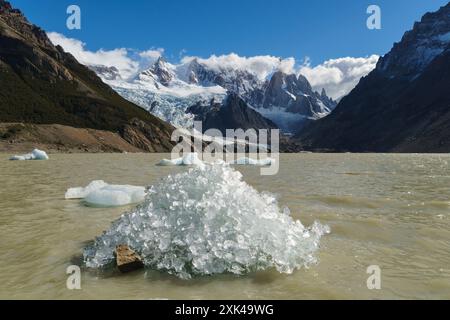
pixel 190 159
pixel 99 193
pixel 36 154
pixel 208 221
pixel 253 162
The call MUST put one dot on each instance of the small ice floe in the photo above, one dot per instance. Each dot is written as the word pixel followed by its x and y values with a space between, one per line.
pixel 36 154
pixel 100 194
pixel 190 159
pixel 253 162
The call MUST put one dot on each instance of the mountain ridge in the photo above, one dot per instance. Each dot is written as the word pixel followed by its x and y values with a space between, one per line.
pixel 40 83
pixel 401 106
pixel 157 89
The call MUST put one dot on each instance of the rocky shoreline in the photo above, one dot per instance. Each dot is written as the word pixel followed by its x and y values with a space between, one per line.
pixel 19 137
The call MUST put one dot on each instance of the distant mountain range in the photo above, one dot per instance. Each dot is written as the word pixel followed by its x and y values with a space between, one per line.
pixel 42 84
pixel 401 106
pixel 168 91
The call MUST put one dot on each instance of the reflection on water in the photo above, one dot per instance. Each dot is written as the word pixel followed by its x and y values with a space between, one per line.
pixel 386 210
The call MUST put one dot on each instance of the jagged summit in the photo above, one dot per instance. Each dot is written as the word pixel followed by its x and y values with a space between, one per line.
pixel 296 95
pixel 5 6
pixel 168 90
pixel 161 72
pixel 428 39
pixel 401 106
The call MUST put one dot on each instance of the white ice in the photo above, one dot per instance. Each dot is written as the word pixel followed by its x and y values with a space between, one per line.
pixel 36 154
pixel 253 162
pixel 190 159
pixel 208 221
pixel 99 193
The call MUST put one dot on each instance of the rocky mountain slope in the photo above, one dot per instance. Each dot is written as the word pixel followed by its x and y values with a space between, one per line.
pixel 231 113
pixel 403 105
pixel 42 84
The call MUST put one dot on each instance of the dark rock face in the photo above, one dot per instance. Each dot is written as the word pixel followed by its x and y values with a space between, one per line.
pixel 419 47
pixel 296 95
pixel 108 73
pixel 403 105
pixel 234 113
pixel 288 92
pixel 42 84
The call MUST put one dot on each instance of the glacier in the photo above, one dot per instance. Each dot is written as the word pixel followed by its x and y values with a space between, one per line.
pixel 209 221
pixel 168 102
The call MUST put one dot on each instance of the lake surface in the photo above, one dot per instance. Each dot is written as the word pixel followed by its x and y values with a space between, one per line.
pixel 387 210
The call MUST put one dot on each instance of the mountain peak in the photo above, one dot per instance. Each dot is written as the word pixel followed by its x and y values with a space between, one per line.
pixel 160 72
pixel 5 6
pixel 401 106
pixel 418 47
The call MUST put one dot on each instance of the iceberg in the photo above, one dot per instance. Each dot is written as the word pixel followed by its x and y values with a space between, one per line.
pixel 36 154
pixel 190 159
pixel 208 221
pixel 99 193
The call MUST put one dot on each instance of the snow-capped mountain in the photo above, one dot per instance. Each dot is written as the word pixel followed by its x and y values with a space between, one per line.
pixel 161 73
pixel 428 39
pixel 167 91
pixel 401 106
pixel 106 73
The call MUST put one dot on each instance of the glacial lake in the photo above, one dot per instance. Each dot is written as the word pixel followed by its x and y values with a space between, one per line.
pixel 392 211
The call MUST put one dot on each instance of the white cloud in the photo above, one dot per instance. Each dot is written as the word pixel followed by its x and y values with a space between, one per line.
pixel 261 66
pixel 128 62
pixel 153 54
pixel 338 76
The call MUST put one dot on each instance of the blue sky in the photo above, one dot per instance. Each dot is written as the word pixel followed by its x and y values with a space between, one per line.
pixel 321 29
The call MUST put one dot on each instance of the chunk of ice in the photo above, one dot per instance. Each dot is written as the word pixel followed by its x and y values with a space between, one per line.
pixel 36 154
pixel 99 193
pixel 81 193
pixel 253 162
pixel 208 221
pixel 190 159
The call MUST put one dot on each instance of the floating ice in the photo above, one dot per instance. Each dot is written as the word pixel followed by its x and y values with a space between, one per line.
pixel 99 193
pixel 254 162
pixel 36 154
pixel 190 159
pixel 81 193
pixel 208 221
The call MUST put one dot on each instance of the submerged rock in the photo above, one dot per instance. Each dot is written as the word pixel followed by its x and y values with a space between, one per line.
pixel 127 260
